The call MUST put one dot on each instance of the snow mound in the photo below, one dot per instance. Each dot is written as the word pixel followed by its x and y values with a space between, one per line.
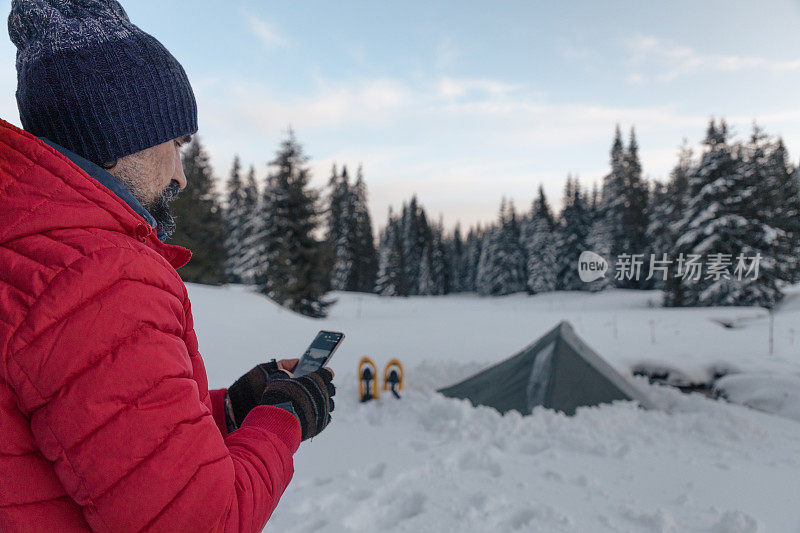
pixel 770 393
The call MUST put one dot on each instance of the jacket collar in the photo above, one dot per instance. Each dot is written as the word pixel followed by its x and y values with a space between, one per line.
pixel 41 189
pixel 109 181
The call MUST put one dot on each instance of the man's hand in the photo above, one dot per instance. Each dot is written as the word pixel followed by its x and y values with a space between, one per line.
pixel 309 398
pixel 247 391
pixel 288 365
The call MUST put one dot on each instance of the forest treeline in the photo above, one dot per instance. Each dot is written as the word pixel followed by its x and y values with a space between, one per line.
pixel 723 229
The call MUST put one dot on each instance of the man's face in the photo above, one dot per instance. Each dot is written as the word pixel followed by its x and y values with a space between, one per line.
pixel 163 165
pixel 155 177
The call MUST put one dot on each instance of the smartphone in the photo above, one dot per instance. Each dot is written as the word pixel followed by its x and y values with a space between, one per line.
pixel 319 353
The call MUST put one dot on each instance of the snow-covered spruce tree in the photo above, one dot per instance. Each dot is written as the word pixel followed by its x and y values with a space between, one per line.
pixel 728 215
pixel 636 193
pixel 252 262
pixel 774 202
pixel 252 255
pixel 539 241
pixel 415 234
pixel 427 286
pixel 391 263
pixel 594 199
pixel 337 192
pixel 657 234
pixel 199 221
pixel 455 254
pixel 473 246
pixel 621 215
pixel 599 238
pixel 409 238
pixel 235 218
pixel 711 186
pixel 663 237
pixel 607 233
pixel 784 214
pixel 340 231
pixel 297 262
pixel 485 276
pixel 572 231
pixel 435 264
pixel 366 256
pixel 501 269
pixel 604 214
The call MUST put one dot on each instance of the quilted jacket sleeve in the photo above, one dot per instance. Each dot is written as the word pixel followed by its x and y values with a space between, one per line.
pixel 217 397
pixel 102 369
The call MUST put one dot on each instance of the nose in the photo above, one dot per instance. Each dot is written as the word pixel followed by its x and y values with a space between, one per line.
pixel 178 175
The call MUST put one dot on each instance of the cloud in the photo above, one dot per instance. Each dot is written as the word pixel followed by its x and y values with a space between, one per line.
pixel 456 87
pixel 333 105
pixel 460 143
pixel 446 54
pixel 265 31
pixel 636 78
pixel 668 61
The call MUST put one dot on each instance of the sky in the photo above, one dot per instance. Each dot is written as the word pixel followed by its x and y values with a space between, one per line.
pixel 463 102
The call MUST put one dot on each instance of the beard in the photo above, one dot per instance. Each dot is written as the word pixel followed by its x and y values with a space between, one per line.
pixel 129 170
pixel 159 209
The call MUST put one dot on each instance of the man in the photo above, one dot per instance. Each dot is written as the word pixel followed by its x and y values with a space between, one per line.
pixel 106 420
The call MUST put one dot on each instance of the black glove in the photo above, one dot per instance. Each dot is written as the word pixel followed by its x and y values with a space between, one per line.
pixel 310 397
pixel 246 392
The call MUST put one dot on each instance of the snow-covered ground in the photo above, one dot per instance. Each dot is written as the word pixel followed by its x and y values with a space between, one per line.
pixel 428 463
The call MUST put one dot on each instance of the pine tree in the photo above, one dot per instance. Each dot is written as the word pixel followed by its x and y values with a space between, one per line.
pixel 784 195
pixel 200 224
pixel 235 219
pixel 427 285
pixel 729 215
pixel 636 196
pixel 415 235
pixel 620 221
pixel 658 234
pixel 599 240
pixel 366 268
pixel 710 185
pixel 438 262
pixel 612 202
pixel 502 265
pixel 772 204
pixel 296 273
pixel 486 277
pixel 571 237
pixel 341 232
pixel 336 199
pixel 664 233
pixel 391 263
pixel 252 249
pixel 420 249
pixel 606 233
pixel 456 260
pixel 473 247
pixel 539 241
pixel 594 202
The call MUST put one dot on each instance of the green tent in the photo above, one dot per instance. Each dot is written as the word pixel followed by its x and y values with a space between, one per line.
pixel 558 371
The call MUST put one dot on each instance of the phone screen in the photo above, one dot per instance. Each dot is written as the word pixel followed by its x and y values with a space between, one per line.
pixel 319 352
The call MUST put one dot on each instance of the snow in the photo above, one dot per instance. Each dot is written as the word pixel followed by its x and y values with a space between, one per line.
pixel 429 463
pixel 765 392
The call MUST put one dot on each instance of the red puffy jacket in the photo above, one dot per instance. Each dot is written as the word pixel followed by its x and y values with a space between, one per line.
pixel 105 415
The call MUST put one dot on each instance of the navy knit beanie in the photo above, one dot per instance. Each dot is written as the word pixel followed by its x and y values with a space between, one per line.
pixel 91 81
